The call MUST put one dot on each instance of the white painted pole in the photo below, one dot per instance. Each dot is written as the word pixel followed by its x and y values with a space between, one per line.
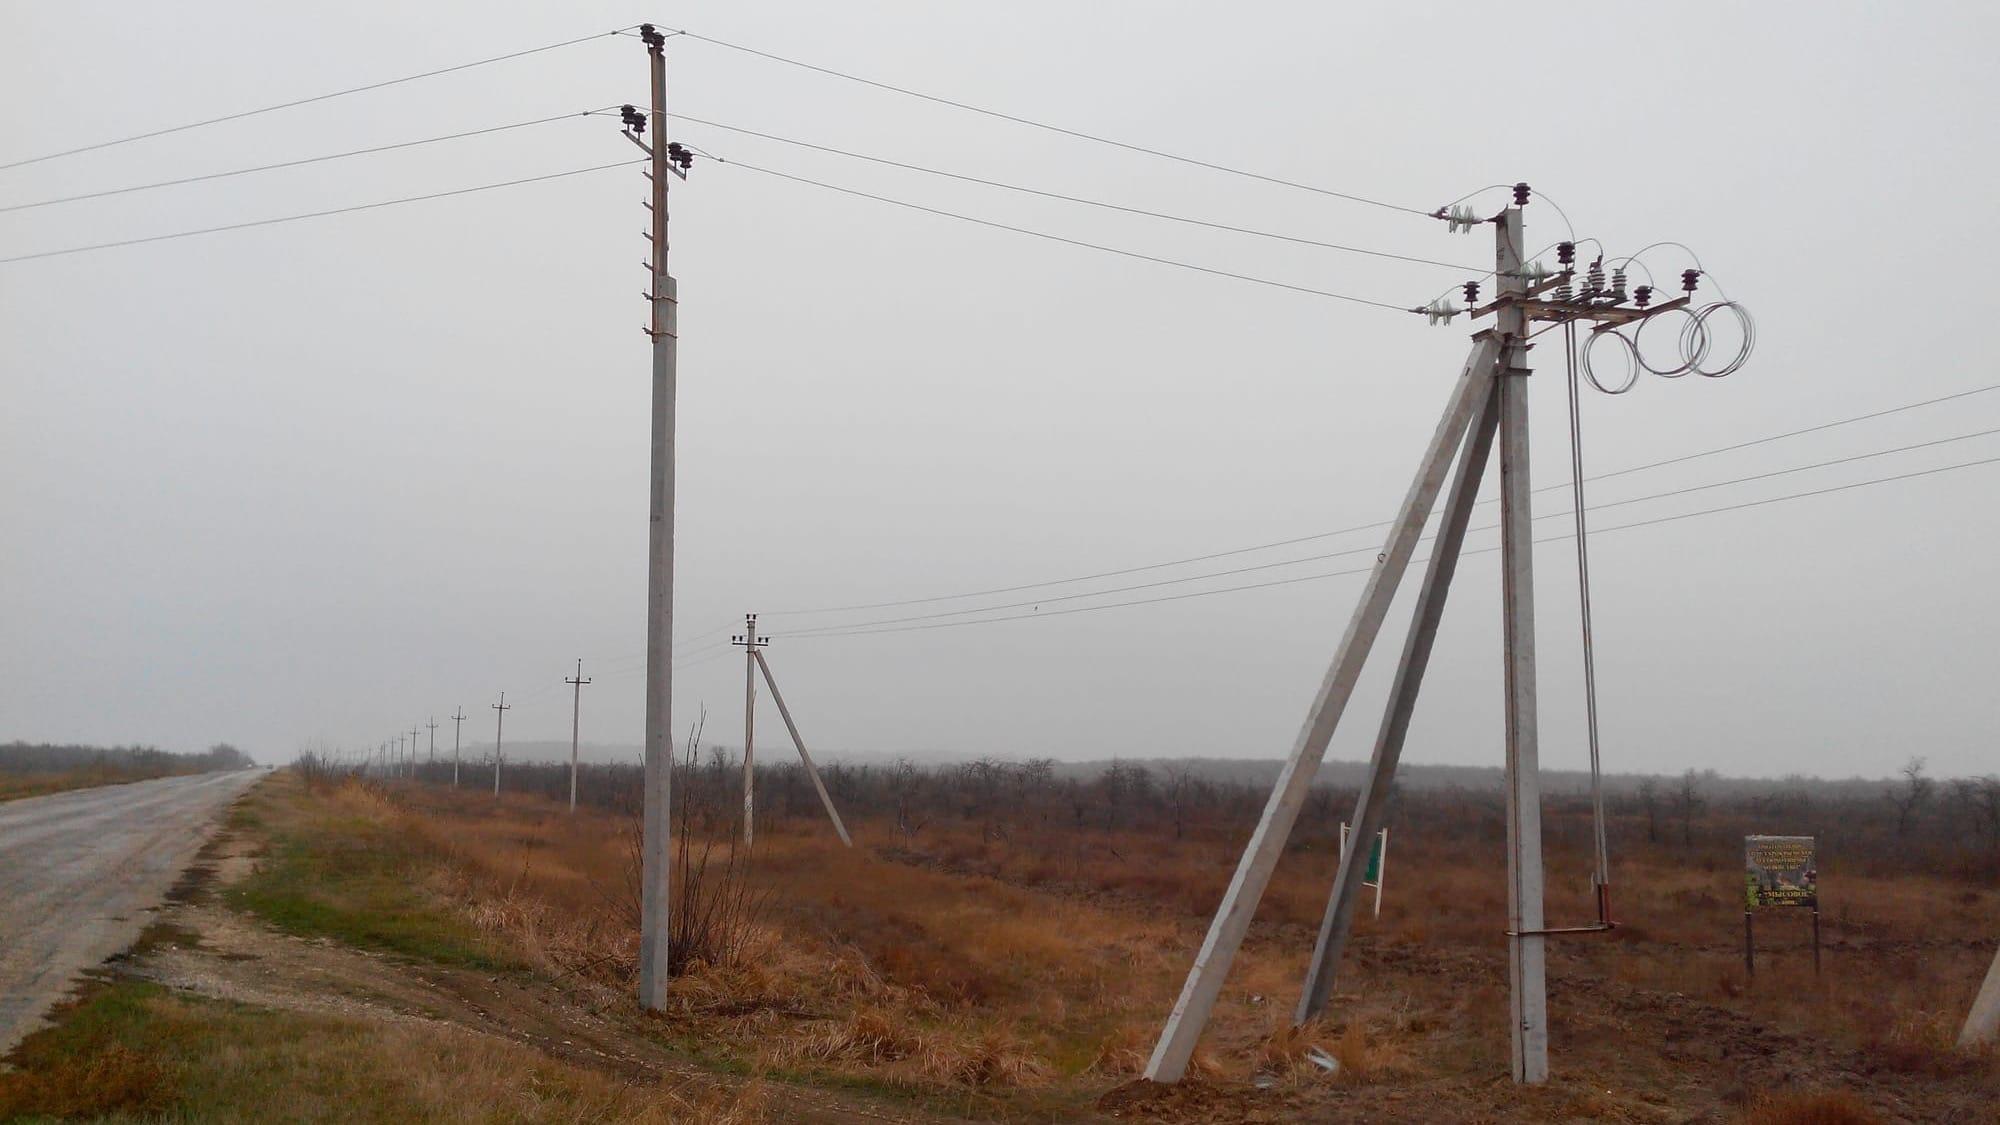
pixel 1526 949
pixel 1982 1024
pixel 812 771
pixel 1260 857
pixel 1371 804
pixel 655 867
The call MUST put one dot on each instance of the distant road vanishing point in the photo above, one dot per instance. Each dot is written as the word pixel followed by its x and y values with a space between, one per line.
pixel 79 872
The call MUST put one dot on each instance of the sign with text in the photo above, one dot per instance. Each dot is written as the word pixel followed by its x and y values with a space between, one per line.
pixel 1780 871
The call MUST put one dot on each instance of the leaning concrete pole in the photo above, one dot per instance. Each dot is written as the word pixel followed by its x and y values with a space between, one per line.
pixel 1260 857
pixel 654 866
pixel 1982 1024
pixel 812 771
pixel 1370 809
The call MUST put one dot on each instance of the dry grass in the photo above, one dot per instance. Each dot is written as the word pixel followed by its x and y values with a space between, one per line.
pixel 1042 964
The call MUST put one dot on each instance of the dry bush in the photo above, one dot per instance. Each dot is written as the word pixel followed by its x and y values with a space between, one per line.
pixel 1822 1107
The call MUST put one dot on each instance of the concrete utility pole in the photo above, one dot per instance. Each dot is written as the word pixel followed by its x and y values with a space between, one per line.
pixel 812 771
pixel 1488 405
pixel 655 869
pixel 1526 944
pixel 500 710
pixel 575 718
pixel 1982 1024
pixel 457 724
pixel 432 726
pixel 413 750
pixel 748 640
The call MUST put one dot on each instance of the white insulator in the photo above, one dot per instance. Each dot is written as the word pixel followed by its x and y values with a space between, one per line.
pixel 1441 311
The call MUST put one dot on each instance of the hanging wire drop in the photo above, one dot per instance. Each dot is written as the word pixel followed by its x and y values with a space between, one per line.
pixel 1601 875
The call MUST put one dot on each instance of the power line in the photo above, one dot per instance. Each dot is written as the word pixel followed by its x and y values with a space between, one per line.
pixel 1292 542
pixel 1067 241
pixel 1368 548
pixel 886 162
pixel 1363 570
pixel 1079 135
pixel 308 101
pixel 297 163
pixel 317 214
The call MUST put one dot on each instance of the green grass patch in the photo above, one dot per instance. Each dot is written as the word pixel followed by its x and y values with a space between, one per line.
pixel 329 872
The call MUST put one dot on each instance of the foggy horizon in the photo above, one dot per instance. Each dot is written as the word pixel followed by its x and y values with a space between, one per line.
pixel 315 482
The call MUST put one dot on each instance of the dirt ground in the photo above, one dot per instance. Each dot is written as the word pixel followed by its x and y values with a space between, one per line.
pixel 204 948
pixel 1056 974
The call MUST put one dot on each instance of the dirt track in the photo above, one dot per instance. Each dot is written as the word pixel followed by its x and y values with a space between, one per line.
pixel 80 870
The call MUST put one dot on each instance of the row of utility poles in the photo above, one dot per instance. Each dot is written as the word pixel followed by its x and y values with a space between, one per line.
pixel 406 764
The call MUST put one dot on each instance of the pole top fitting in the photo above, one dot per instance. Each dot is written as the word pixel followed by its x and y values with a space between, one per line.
pixel 651 37
pixel 1520 195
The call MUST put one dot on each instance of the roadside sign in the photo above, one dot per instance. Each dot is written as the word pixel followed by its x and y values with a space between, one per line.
pixel 1779 871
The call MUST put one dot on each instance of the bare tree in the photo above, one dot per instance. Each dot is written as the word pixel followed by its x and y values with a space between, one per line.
pixel 1688 800
pixel 1912 795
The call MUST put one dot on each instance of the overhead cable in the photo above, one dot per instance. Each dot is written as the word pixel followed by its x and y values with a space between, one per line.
pixel 308 101
pixel 317 214
pixel 1373 548
pixel 1309 290
pixel 1031 123
pixel 297 163
pixel 1294 541
pixel 862 631
pixel 886 162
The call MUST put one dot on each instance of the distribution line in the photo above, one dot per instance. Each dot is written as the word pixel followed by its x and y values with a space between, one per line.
pixel 1060 238
pixel 1077 134
pixel 1119 207
pixel 1296 540
pixel 1369 548
pixel 300 162
pixel 308 101
pixel 317 214
pixel 864 630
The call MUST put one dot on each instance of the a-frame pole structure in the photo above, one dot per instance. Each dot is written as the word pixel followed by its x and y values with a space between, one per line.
pixel 812 771
pixel 1487 406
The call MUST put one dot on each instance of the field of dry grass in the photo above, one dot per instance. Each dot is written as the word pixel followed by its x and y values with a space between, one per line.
pixel 1026 973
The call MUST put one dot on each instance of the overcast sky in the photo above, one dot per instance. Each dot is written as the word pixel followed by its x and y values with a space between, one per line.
pixel 325 479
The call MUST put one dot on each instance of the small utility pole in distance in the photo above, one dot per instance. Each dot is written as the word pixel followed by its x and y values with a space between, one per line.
pixel 457 724
pixel 748 640
pixel 500 710
pixel 575 719
pixel 413 750
pixel 432 725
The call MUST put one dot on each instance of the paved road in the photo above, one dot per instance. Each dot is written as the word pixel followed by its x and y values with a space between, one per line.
pixel 78 871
